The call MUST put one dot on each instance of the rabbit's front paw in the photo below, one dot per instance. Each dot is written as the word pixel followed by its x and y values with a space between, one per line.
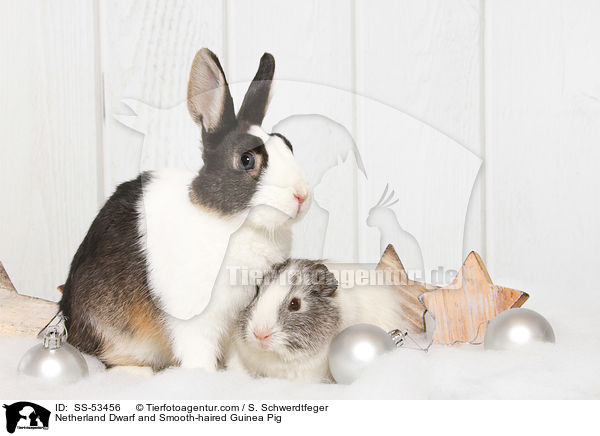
pixel 198 353
pixel 199 359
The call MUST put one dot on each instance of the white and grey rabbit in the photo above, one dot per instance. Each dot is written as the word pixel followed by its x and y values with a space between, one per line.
pixel 298 309
pixel 149 284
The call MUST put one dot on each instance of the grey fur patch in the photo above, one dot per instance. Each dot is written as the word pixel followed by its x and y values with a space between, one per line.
pixel 313 327
pixel 221 185
pixel 256 100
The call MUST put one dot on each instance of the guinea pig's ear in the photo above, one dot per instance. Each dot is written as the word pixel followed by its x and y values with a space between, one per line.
pixel 326 280
pixel 256 101
pixel 208 98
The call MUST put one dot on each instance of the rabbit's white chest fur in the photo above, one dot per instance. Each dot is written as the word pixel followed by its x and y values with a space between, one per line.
pixel 191 256
pixel 184 245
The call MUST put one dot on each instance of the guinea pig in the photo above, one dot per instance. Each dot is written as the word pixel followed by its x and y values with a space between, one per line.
pixel 298 309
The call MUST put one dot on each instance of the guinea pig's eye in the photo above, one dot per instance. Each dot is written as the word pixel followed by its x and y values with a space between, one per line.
pixel 247 161
pixel 294 305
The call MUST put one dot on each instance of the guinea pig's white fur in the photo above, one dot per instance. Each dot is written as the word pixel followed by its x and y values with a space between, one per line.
pixel 372 304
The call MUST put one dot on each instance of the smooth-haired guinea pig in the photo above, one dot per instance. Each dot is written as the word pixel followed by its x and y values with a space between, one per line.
pixel 298 309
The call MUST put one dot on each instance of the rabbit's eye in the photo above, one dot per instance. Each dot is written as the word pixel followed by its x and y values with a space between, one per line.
pixel 294 305
pixel 247 161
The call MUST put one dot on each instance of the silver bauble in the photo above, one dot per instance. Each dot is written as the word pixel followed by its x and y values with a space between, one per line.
pixel 54 361
pixel 517 328
pixel 355 348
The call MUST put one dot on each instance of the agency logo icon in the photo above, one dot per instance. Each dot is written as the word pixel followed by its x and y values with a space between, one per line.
pixel 26 415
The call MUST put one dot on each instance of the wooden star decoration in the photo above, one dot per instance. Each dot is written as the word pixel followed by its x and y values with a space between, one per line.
pixel 462 309
pixel 408 291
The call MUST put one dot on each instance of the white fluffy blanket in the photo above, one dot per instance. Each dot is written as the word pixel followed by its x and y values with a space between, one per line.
pixel 569 369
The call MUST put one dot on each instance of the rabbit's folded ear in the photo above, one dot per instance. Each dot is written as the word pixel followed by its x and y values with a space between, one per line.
pixel 208 98
pixel 255 103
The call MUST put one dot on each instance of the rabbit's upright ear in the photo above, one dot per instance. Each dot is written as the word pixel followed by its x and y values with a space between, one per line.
pixel 208 98
pixel 254 106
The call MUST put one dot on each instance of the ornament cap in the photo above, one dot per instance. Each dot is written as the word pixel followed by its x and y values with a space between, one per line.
pixel 398 336
pixel 53 339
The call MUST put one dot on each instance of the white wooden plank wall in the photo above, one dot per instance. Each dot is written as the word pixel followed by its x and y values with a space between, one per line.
pixel 147 51
pixel 482 116
pixel 543 145
pixel 48 125
pixel 422 59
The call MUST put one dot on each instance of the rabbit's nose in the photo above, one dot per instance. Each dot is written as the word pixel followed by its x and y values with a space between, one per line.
pixel 300 198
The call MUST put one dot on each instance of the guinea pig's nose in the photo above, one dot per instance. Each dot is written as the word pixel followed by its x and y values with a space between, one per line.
pixel 262 335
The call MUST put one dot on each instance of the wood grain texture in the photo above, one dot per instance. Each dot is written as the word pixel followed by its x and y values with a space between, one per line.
pixel 543 112
pixel 5 282
pixel 48 143
pixel 423 58
pixel 462 309
pixel 147 52
pixel 408 290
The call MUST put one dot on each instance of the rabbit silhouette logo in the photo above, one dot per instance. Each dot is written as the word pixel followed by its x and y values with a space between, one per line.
pixel 26 415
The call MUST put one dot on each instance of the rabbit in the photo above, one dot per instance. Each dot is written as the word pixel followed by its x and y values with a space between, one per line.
pixel 150 284
pixel 298 309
